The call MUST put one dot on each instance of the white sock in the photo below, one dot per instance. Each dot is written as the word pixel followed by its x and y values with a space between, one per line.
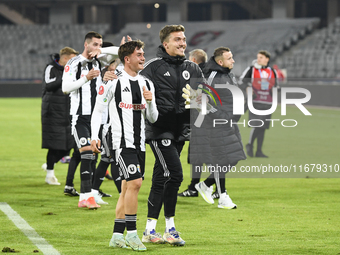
pixel 169 223
pixel 87 195
pixel 223 195
pixel 150 225
pixel 117 234
pixel 94 191
pixel 49 173
pixel 131 231
pixel 68 187
pixel 81 196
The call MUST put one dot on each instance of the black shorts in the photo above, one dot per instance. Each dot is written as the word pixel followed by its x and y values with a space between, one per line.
pixel 82 134
pixel 131 164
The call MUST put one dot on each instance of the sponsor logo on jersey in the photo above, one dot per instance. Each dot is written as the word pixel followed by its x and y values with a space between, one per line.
pixel 101 90
pixel 186 75
pixel 126 89
pixel 67 68
pixel 136 107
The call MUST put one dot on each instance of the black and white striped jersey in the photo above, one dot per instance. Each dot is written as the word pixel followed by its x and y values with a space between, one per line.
pixel 127 110
pixel 83 92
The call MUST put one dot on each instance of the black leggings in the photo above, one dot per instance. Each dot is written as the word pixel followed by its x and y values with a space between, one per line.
pixel 166 179
pixel 53 156
pixel 257 133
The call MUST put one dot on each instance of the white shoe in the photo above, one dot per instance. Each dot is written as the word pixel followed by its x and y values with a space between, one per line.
pixel 225 202
pixel 99 199
pixel 52 180
pixel 44 167
pixel 205 192
pixel 172 237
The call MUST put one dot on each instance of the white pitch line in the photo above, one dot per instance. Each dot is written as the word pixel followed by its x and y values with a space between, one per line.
pixel 21 224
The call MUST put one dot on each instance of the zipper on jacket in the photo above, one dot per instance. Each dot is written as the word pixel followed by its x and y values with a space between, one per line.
pixel 178 88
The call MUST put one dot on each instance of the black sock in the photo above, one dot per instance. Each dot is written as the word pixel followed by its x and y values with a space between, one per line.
pixel 119 226
pixel 210 180
pixel 85 171
pixel 130 220
pixel 115 176
pixel 72 167
pixel 93 167
pixel 100 174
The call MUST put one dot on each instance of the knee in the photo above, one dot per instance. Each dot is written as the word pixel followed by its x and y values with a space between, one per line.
pixel 135 184
pixel 176 177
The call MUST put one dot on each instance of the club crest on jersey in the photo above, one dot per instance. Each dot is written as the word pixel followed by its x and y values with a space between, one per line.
pixel 83 141
pixel 166 142
pixel 105 100
pixel 186 75
pixel 132 169
pixel 101 90
pixel 136 107
pixel 67 68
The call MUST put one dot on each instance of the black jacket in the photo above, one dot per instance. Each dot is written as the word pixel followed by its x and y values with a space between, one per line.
pixel 56 127
pixel 169 76
pixel 225 140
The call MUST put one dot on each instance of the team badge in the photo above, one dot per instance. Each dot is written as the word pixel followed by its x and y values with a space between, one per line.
pixel 186 75
pixel 132 169
pixel 105 100
pixel 166 142
pixel 101 90
pixel 67 68
pixel 82 141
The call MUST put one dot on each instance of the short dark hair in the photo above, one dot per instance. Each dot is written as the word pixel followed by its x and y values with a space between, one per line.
pixel 218 53
pixel 128 48
pixel 264 53
pixel 220 50
pixel 92 34
pixel 168 29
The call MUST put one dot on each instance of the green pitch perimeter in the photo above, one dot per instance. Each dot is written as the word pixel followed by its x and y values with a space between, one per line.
pixel 274 215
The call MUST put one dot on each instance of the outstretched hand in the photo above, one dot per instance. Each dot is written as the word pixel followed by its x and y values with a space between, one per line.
pixel 193 98
pixel 95 53
pixel 109 76
pixel 123 39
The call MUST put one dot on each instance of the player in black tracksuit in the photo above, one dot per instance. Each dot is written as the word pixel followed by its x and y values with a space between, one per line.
pixel 169 72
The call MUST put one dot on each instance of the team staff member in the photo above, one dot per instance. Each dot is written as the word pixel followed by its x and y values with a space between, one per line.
pixel 128 99
pixel 262 78
pixel 82 79
pixel 225 141
pixel 169 72
pixel 56 127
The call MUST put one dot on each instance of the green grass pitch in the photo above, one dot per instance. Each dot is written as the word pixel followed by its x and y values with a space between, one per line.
pixel 274 215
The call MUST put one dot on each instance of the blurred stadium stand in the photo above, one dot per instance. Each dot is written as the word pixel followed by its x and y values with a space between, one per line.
pixel 245 38
pixel 318 56
pixel 26 48
pixel 29 46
